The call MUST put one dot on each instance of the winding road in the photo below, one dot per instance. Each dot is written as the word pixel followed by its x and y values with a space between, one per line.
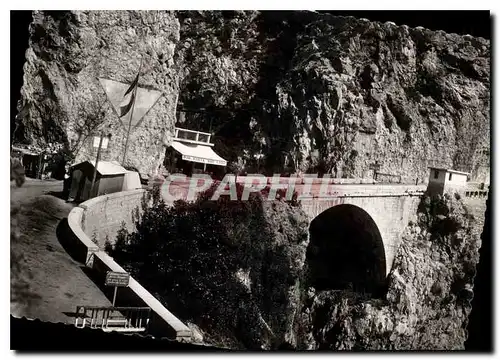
pixel 46 283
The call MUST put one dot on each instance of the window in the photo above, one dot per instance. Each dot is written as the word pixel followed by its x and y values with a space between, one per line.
pixel 436 174
pixel 449 178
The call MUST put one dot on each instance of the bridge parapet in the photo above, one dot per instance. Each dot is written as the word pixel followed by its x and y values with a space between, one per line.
pixel 104 212
pixel 351 190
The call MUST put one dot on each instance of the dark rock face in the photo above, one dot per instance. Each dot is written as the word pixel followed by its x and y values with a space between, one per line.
pixel 329 94
pixel 295 90
pixel 480 327
pixel 62 100
pixel 345 241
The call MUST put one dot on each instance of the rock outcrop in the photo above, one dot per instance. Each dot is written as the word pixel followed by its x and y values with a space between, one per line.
pixel 62 100
pixel 280 90
pixel 331 94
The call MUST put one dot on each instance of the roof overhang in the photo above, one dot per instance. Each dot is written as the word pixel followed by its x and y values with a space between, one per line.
pixel 25 151
pixel 449 170
pixel 105 167
pixel 202 154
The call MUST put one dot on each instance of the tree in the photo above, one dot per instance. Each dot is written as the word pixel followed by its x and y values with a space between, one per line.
pixel 17 172
pixel 90 115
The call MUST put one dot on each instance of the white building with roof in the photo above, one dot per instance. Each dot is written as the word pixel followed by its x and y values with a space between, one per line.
pixel 442 180
pixel 191 151
pixel 110 177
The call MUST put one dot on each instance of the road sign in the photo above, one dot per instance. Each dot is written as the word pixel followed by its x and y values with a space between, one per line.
pixel 120 279
pixel 97 140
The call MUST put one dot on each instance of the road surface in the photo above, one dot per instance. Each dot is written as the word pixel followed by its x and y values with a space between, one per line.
pixel 46 283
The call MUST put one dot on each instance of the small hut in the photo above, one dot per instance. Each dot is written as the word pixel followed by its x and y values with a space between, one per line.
pixel 443 180
pixel 110 178
pixel 32 160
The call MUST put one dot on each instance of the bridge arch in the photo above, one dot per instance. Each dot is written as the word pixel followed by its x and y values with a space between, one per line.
pixel 346 250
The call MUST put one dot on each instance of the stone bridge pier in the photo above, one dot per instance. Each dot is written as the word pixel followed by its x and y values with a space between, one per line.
pixel 355 233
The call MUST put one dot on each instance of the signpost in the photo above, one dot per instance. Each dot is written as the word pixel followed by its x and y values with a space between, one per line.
pixel 116 279
pixel 101 138
pixel 97 141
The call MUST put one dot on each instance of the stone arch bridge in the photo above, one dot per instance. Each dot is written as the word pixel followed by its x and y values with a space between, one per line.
pixel 355 232
pixel 355 228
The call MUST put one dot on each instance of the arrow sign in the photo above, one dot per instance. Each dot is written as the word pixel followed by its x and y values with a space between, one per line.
pixel 144 101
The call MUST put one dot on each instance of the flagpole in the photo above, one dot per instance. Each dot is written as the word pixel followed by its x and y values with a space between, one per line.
pixel 131 114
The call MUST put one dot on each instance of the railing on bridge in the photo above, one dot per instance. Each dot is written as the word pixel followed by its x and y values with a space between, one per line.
pixel 476 190
pixel 476 194
pixel 387 178
pixel 123 319
pixel 472 186
pixel 192 136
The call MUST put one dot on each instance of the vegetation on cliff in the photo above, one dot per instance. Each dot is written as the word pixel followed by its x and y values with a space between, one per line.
pixel 231 268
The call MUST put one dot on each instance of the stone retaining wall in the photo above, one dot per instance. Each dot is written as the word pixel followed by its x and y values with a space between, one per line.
pixel 103 216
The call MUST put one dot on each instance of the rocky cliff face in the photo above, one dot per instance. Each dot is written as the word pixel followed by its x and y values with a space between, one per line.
pixel 62 100
pixel 280 90
pixel 329 94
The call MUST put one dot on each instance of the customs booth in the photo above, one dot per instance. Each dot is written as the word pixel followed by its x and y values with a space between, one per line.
pixel 110 178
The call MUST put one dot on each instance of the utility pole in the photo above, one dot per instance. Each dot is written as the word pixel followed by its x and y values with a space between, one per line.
pixel 114 295
pixel 96 162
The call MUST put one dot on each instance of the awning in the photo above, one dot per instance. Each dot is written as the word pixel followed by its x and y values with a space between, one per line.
pixel 198 153
pixel 25 151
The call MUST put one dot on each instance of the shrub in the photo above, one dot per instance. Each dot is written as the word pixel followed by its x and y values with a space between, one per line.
pixel 189 254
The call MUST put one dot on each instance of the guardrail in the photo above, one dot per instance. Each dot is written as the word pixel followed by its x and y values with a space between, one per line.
pixel 476 193
pixel 123 319
pixel 162 322
pixel 387 178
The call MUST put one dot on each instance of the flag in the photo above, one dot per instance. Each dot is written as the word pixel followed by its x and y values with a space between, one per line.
pixel 129 97
pixel 143 101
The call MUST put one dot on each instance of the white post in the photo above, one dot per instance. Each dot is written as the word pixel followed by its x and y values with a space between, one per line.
pixel 114 296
